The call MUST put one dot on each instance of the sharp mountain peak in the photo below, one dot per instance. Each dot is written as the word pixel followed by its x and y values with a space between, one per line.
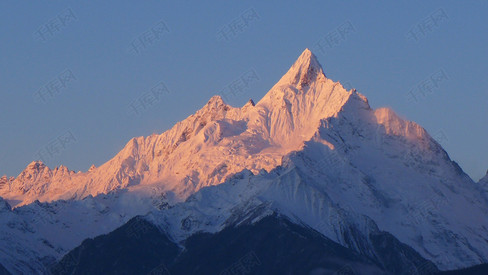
pixel 305 70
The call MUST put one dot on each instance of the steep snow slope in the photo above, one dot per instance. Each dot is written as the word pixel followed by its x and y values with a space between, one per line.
pixel 324 189
pixel 349 172
pixel 203 149
pixel 370 163
pixel 393 172
pixel 35 236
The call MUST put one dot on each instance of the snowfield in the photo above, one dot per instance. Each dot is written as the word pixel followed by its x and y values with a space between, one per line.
pixel 309 149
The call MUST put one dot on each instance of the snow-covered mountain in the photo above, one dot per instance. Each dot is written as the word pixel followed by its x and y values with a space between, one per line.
pixel 33 237
pixel 308 150
pixel 205 148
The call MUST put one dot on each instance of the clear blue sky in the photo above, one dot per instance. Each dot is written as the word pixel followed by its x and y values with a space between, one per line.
pixel 71 68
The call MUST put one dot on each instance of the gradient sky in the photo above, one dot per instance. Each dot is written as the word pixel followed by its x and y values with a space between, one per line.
pixel 92 59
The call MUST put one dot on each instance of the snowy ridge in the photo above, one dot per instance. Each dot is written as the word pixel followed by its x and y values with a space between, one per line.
pixel 205 148
pixel 308 149
pixel 33 237
pixel 363 171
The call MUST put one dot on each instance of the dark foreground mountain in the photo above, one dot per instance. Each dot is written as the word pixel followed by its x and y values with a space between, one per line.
pixel 3 270
pixel 272 245
pixel 474 270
